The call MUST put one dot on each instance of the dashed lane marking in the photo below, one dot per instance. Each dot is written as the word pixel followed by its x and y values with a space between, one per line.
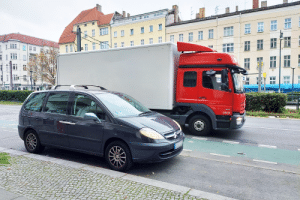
pixel 263 161
pixel 230 142
pixel 199 138
pixel 272 128
pixel 215 154
pixel 267 146
pixel 187 150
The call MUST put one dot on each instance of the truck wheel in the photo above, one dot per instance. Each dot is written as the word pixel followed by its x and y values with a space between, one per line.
pixel 200 125
pixel 118 156
pixel 32 142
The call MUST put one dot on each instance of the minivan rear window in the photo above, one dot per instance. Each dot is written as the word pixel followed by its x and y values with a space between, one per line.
pixel 35 102
pixel 57 103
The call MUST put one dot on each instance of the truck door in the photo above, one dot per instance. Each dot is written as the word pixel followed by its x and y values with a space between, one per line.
pixel 211 94
pixel 187 89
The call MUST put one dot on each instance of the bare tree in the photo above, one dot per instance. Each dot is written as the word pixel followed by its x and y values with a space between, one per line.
pixel 43 66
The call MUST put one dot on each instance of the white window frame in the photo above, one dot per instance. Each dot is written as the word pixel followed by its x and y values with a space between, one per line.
pixel 142 30
pixel 122 33
pixel 247 28
pixel 24 57
pixel 94 46
pixel 191 36
pixel 159 39
pixel 273 25
pixel 273 43
pixel 104 45
pixel 288 23
pixel 13 56
pixel 93 33
pixel 104 31
pixel 172 38
pixel 247 46
pixel 260 44
pixel 132 31
pixel 260 27
pixel 287 61
pixel 247 63
pixel 272 80
pixel 122 44
pixel 150 40
pixel 85 34
pixel 151 28
pixel 67 49
pixel 286 79
pixel 180 37
pixel 287 42
pixel 211 34
pixel 200 35
pixel 272 62
pixel 115 34
pixel 131 43
pixel 71 48
pixel 159 27
pixel 228 31
pixel 86 47
pixel 228 47
pixel 142 41
pixel 115 45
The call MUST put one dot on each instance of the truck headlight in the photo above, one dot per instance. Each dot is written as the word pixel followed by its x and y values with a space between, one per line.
pixel 178 125
pixel 239 120
pixel 150 133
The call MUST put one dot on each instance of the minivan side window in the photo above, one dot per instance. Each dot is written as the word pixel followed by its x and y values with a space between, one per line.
pixel 57 103
pixel 83 104
pixel 212 81
pixel 35 102
pixel 190 79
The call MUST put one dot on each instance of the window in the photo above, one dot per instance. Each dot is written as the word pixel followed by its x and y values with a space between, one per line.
pixel 104 45
pixel 287 41
pixel 13 46
pixel 83 104
pixel 212 81
pixel 247 46
pixel 34 48
pixel 286 79
pixel 288 23
pixel 13 56
pixel 247 28
pixel 151 28
pixel 142 42
pixel 273 62
pixel 210 33
pixel 261 80
pixel 6 57
pixel 24 67
pixel 228 47
pixel 159 27
pixel 85 24
pixel 86 47
pixel 115 45
pixel 210 46
pixel 299 60
pixel 2 78
pixel 260 27
pixel 247 81
pixel 299 79
pixel 1 68
pixel 122 44
pixel 24 57
pixel 94 46
pixel 24 47
pixel 142 29
pixel 67 49
pixel 299 41
pixel 260 44
pixel 132 43
pixel 93 33
pixel 273 43
pixel 287 61
pixel 71 48
pixel 104 31
pixel 200 35
pixel 57 103
pixel 150 40
pixel 0 57
pixel 190 37
pixel 228 31
pixel 30 48
pixel 299 26
pixel 159 39
pixel 131 31
pixel 273 25
pixel 14 66
pixel 122 33
pixel 272 79
pixel 35 102
pixel 180 37
pixel 190 79
pixel 247 63
pixel 171 38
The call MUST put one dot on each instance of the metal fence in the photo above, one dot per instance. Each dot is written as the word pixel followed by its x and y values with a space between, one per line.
pixel 293 99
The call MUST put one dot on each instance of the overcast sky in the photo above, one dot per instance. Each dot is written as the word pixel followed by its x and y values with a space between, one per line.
pixel 47 19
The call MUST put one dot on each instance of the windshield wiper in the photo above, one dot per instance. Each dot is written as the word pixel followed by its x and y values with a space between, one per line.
pixel 144 113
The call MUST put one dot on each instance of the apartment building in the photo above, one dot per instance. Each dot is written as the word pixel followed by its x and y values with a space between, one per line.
pixel 15 52
pixel 252 36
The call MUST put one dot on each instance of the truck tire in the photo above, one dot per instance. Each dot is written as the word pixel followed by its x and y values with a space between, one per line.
pixel 200 125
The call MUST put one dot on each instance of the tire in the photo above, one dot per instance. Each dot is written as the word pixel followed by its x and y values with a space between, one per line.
pixel 32 142
pixel 200 125
pixel 118 156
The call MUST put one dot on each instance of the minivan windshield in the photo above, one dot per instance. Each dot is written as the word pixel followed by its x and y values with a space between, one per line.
pixel 238 82
pixel 121 105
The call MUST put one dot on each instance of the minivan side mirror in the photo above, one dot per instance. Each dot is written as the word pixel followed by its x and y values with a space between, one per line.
pixel 91 116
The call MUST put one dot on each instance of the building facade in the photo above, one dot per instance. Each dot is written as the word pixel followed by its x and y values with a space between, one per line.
pixel 252 36
pixel 16 50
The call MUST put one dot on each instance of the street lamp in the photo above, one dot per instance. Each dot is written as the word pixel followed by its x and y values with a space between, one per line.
pixel 280 38
pixel 293 68
pixel 31 79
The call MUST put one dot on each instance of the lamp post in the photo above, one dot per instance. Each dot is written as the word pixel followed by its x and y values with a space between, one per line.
pixel 293 68
pixel 31 79
pixel 280 38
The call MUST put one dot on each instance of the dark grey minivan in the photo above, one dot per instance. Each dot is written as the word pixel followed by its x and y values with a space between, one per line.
pixel 101 122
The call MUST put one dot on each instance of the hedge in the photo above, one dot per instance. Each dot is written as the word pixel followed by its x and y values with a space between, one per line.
pixel 268 102
pixel 14 95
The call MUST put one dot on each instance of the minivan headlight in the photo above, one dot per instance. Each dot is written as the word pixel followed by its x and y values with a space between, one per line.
pixel 150 133
pixel 178 125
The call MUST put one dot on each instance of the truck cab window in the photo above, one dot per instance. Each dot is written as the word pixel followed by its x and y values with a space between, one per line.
pixel 190 79
pixel 212 81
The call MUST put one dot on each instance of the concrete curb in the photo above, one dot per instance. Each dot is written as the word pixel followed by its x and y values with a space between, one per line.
pixel 114 174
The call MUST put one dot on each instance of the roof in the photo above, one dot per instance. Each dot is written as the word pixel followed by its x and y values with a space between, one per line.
pixel 236 13
pixel 28 40
pixel 85 16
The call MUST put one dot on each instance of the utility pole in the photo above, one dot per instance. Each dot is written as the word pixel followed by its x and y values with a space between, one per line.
pixel 259 64
pixel 11 81
pixel 78 33
pixel 31 79
pixel 280 38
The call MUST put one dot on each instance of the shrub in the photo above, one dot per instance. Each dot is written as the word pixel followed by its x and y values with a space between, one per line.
pixel 14 95
pixel 268 102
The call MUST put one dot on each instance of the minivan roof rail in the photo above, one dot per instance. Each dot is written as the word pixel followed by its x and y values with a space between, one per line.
pixel 73 87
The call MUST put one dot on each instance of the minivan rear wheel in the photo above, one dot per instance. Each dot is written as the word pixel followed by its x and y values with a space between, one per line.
pixel 118 156
pixel 32 142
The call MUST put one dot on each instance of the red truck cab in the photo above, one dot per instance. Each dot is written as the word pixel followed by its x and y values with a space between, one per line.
pixel 209 90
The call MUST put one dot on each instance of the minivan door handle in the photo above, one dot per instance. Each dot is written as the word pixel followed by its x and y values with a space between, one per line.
pixel 65 122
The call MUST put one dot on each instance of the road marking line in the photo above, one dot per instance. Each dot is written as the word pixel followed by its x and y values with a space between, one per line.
pixel 271 128
pixel 298 149
pixel 199 138
pixel 274 163
pixel 187 150
pixel 190 141
pixel 267 146
pixel 230 142
pixel 215 154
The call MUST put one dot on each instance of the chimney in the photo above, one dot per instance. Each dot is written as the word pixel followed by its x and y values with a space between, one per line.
pixel 99 8
pixel 128 15
pixel 227 10
pixel 236 8
pixel 264 4
pixel 124 14
pixel 201 13
pixel 285 1
pixel 255 4
pixel 176 11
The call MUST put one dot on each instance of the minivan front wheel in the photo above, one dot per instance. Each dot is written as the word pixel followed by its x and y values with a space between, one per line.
pixel 32 142
pixel 118 156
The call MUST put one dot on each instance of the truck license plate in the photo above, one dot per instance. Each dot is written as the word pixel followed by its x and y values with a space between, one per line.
pixel 178 144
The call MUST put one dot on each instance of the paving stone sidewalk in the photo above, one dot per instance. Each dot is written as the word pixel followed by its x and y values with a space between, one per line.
pixel 39 177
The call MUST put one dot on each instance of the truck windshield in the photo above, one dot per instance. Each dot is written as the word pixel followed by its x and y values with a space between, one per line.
pixel 238 82
pixel 121 105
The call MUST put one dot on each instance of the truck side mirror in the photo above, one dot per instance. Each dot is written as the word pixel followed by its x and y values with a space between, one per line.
pixel 224 78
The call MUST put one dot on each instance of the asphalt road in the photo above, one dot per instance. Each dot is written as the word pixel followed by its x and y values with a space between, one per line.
pixel 259 161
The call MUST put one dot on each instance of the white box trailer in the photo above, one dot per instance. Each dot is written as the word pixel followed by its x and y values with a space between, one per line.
pixel 146 72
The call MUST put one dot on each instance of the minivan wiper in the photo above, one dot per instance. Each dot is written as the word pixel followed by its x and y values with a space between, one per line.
pixel 144 113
